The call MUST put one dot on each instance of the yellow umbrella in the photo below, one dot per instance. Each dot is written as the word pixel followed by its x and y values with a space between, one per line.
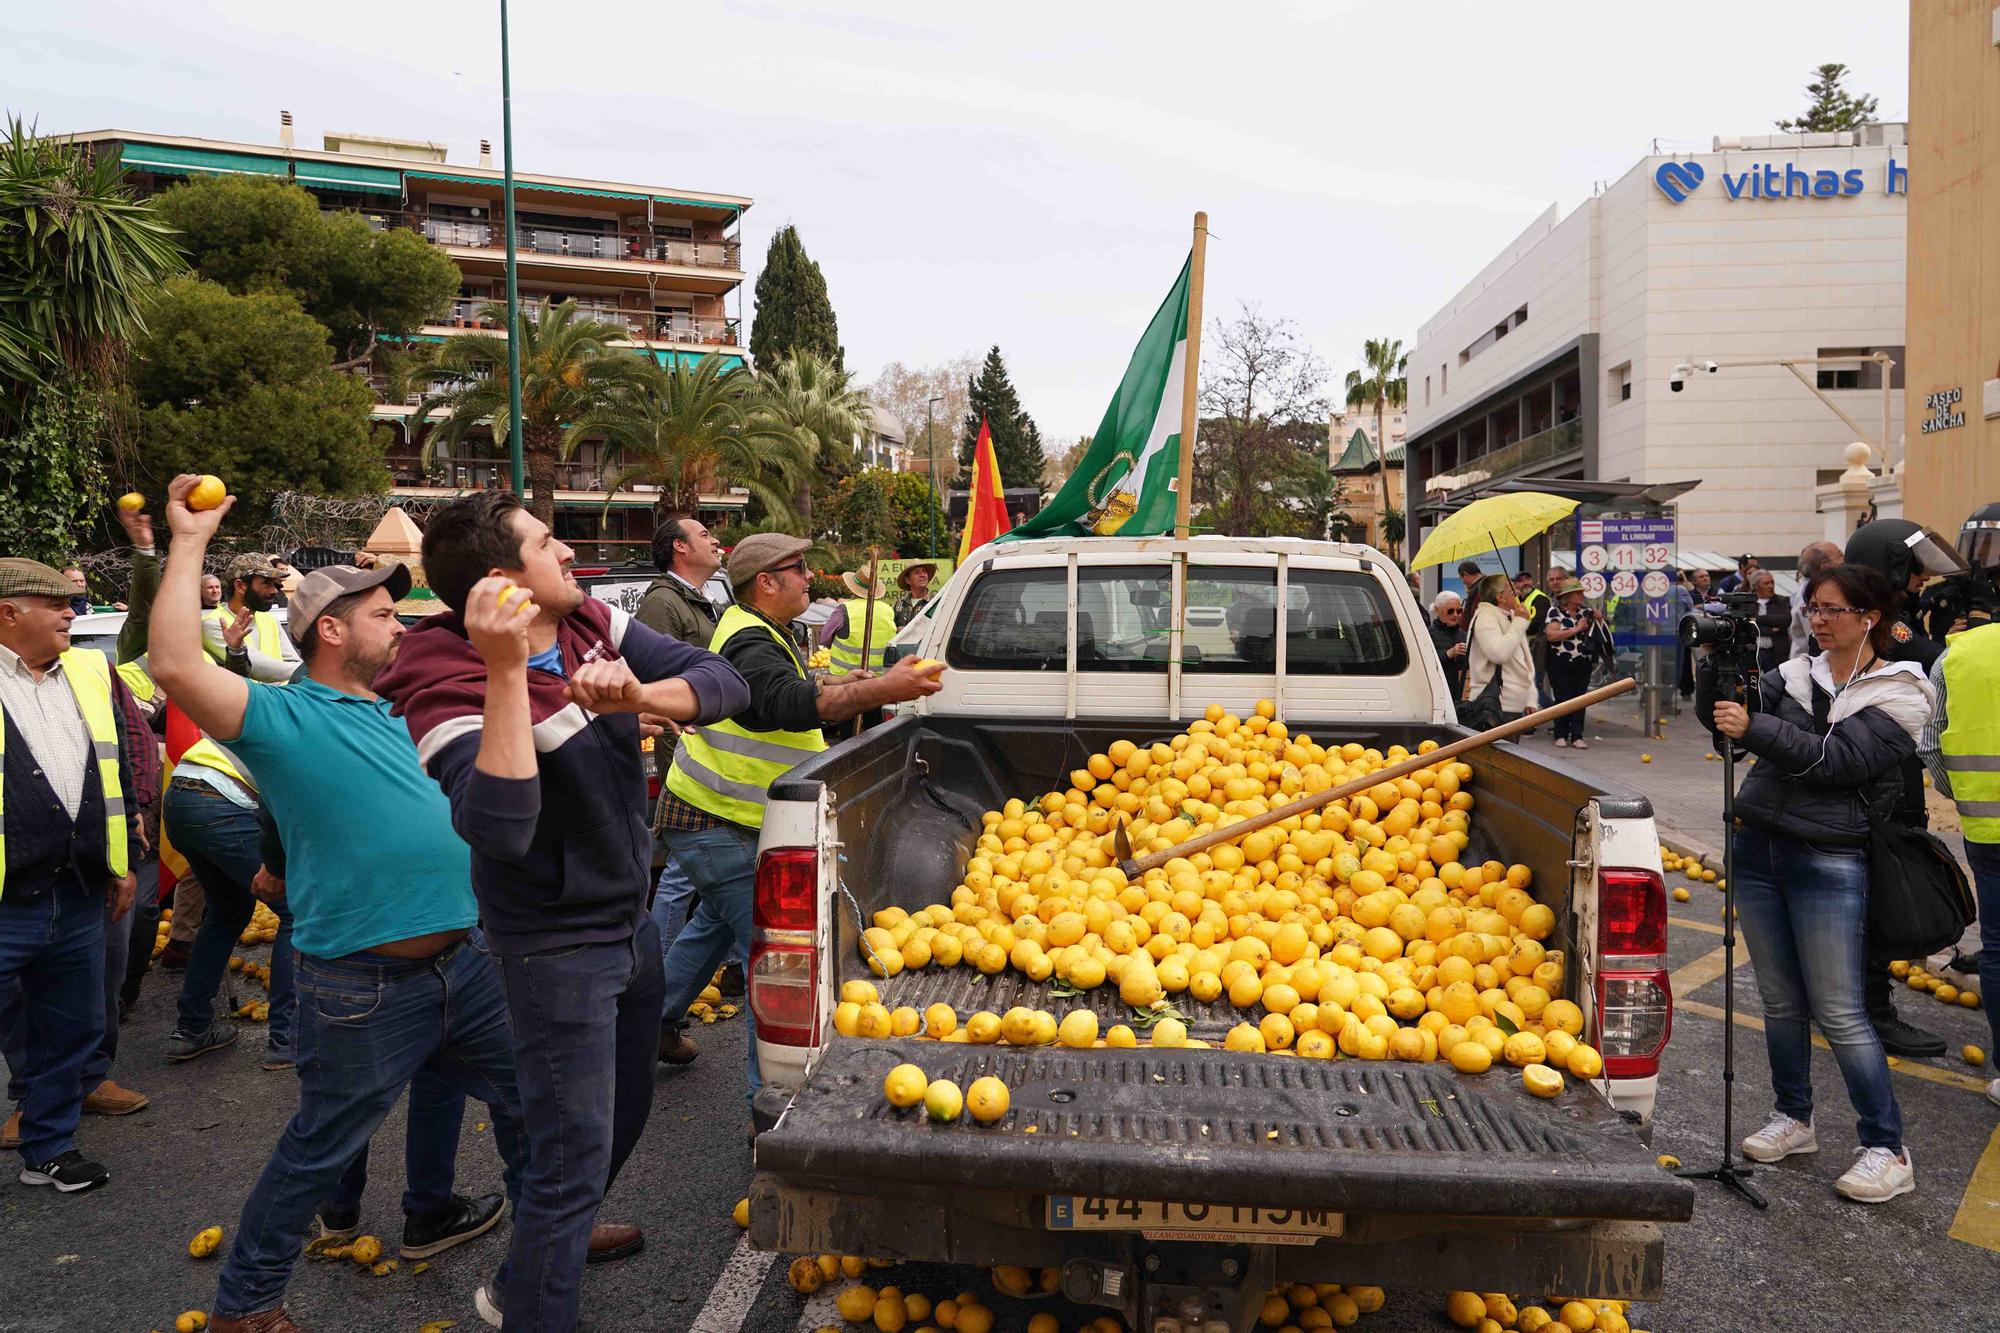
pixel 1489 524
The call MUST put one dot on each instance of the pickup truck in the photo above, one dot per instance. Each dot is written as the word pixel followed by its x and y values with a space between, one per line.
pixel 1177 1186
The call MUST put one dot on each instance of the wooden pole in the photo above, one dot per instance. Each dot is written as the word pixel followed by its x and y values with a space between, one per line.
pixel 1306 804
pixel 1191 376
pixel 868 622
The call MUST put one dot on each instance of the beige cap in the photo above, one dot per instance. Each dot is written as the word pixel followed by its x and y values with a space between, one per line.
pixel 761 551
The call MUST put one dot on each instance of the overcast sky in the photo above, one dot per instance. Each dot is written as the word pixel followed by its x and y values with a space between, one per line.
pixel 1025 173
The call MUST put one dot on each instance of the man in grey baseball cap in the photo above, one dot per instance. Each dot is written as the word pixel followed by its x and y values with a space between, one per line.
pixel 319 591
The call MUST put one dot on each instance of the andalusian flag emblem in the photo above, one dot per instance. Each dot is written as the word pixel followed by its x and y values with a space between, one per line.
pixel 1125 483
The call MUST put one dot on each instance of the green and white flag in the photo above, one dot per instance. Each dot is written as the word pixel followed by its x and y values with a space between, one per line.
pixel 1125 483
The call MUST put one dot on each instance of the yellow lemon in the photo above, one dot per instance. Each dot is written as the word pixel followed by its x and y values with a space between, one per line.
pixel 905 1086
pixel 1170 1034
pixel 940 1021
pixel 1541 1081
pixel 205 1242
pixel 987 1100
pixel 208 492
pixel 1565 1015
pixel 1681 895
pixel 1523 1049
pixel 943 1101
pixel 873 1022
pixel 983 1028
pixel 1078 1030
pixel 1243 1037
pixel 131 502
pixel 860 992
pixel 1972 1055
pixel 1469 1057
pixel 855 1303
pixel 1465 1308
pixel 1584 1062
pixel 1121 1038
pixel 740 1214
pixel 1575 1315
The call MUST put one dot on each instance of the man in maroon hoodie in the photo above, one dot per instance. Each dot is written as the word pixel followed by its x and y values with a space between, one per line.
pixel 523 703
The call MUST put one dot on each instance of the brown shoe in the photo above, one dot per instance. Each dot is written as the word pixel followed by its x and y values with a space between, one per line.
pixel 613 1240
pixel 10 1134
pixel 110 1099
pixel 677 1048
pixel 267 1321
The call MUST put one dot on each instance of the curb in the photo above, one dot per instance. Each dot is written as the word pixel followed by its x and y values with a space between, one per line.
pixel 1708 857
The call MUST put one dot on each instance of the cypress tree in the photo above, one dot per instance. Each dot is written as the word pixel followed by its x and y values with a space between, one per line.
pixel 793 311
pixel 1017 442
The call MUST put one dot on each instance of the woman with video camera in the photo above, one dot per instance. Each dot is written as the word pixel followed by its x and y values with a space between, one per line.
pixel 1831 737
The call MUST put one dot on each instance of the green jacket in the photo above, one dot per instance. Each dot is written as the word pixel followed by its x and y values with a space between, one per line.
pixel 679 612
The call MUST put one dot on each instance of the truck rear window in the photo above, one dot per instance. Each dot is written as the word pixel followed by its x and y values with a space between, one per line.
pixel 1337 622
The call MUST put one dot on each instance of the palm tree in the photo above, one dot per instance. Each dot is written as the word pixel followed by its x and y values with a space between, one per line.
pixel 810 395
pixel 686 427
pixel 570 370
pixel 80 257
pixel 1383 385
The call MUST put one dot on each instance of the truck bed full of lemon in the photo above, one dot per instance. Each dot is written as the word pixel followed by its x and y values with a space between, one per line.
pixel 1354 931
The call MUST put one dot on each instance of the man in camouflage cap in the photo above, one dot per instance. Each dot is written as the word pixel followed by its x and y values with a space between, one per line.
pixel 242 634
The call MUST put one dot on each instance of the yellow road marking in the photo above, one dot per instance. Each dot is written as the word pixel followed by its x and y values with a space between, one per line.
pixel 1692 977
pixel 1978 1220
pixel 1701 926
pixel 1928 1073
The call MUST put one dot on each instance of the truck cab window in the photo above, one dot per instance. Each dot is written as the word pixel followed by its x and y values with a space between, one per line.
pixel 1337 623
pixel 1014 620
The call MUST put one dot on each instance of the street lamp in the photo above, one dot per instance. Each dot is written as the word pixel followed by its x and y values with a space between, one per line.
pixel 513 288
pixel 930 443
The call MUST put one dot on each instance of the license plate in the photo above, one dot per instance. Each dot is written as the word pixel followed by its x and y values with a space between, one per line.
pixel 1193 1221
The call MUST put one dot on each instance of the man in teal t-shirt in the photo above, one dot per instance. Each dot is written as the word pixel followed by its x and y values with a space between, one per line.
pixel 392 979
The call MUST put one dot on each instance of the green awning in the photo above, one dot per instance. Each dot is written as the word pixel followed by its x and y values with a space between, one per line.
pixel 519 184
pixel 190 161
pixel 348 176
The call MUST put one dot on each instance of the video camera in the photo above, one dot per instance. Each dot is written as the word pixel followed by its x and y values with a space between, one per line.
pixel 1726 671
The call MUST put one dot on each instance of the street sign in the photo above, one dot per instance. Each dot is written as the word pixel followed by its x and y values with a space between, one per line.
pixel 1595 559
pixel 1655 585
pixel 1626 557
pixel 1593 584
pixel 1624 583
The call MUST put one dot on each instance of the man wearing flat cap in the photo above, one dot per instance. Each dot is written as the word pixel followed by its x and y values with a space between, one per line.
pixel 722 775
pixel 64 863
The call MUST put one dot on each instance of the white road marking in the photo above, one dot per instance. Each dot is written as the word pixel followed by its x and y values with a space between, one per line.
pixel 735 1290
pixel 821 1309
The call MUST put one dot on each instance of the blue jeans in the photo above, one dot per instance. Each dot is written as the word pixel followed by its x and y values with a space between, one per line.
pixel 721 863
pixel 586 1041
pixel 673 903
pixel 1984 858
pixel 221 840
pixel 368 1025
pixel 53 948
pixel 14 1029
pixel 1804 911
pixel 430 1152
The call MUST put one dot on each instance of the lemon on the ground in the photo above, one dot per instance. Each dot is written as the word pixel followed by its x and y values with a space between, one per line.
pixel 205 1242
pixel 1043 1323
pixel 740 1214
pixel 917 1306
pixel 890 1314
pixel 1541 1081
pixel 855 1303
pixel 974 1319
pixel 1681 895
pixel 904 1086
pixel 1577 1317
pixel 987 1100
pixel 804 1275
pixel 943 1101
pixel 1465 1308
pixel 1972 1055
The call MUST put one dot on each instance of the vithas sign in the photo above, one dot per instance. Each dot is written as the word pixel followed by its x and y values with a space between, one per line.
pixel 1769 180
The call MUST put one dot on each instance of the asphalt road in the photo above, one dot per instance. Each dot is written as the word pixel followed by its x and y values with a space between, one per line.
pixel 115 1261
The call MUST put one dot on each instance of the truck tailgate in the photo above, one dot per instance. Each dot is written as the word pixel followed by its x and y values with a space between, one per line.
pixel 1214 1126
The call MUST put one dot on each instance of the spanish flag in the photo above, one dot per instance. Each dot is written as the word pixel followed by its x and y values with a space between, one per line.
pixel 986 512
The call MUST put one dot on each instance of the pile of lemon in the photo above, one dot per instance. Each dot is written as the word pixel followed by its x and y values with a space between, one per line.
pixel 890 1310
pixel 263 926
pixel 1913 975
pixel 1306 1307
pixel 1493 1312
pixel 708 1007
pixel 1355 928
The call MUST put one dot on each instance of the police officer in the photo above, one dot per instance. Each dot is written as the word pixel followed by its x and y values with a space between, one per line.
pixel 1907 554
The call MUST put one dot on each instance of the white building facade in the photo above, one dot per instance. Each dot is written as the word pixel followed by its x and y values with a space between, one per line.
pixel 1559 358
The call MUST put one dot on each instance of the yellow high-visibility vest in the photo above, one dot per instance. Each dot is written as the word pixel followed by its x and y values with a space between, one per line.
pixel 270 638
pixel 134 675
pixel 724 767
pixel 89 676
pixel 846 649
pixel 1970 742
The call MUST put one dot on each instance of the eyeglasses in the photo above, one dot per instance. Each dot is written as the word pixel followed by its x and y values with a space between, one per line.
pixel 795 567
pixel 1816 612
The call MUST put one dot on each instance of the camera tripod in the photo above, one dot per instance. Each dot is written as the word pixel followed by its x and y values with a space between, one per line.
pixel 1729 1174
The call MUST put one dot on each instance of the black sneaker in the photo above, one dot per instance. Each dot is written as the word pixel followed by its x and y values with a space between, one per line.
pixel 338 1224
pixel 731 982
pixel 1906 1040
pixel 186 1046
pixel 465 1219
pixel 70 1173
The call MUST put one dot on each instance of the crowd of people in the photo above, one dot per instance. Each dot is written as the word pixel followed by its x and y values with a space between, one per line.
pixel 1851 711
pixel 450 822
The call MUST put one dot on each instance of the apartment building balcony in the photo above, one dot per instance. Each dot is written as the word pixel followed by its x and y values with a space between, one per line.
pixel 637 325
pixel 624 247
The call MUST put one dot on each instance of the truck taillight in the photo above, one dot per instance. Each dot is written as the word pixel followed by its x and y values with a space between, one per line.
pixel 786 880
pixel 1635 1017
pixel 1631 913
pixel 783 981
pixel 783 984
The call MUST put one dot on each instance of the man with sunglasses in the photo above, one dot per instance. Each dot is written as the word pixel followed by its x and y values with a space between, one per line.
pixel 722 773
pixel 1448 637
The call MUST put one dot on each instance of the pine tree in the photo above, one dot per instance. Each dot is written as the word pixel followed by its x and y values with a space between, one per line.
pixel 1017 441
pixel 1833 107
pixel 793 311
